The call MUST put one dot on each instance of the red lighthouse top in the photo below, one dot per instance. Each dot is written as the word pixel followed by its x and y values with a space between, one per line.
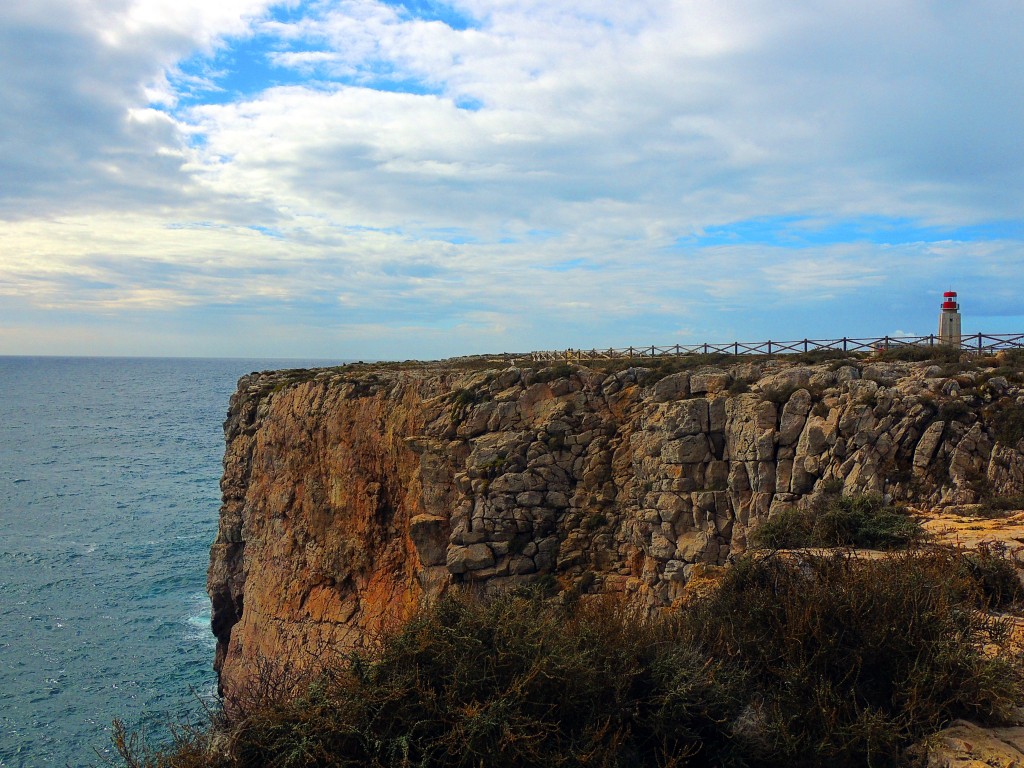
pixel 949 300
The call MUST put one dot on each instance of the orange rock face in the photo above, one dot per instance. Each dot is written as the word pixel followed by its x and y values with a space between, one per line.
pixel 319 487
pixel 351 494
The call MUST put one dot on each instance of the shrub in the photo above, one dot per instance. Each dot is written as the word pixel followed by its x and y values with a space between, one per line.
pixel 790 661
pixel 918 353
pixel 953 410
pixel 790 528
pixel 850 660
pixel 863 521
pixel 1012 359
pixel 840 521
pixel 664 365
pixel 821 356
pixel 995 575
pixel 510 681
pixel 739 387
pixel 1007 419
pixel 996 506
pixel 832 487
pixel 555 372
pixel 464 397
pixel 191 747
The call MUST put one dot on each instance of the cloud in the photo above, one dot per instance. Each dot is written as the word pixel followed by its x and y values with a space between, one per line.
pixel 75 81
pixel 683 115
pixel 509 173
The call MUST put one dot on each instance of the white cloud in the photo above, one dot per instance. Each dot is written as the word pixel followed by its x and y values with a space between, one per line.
pixel 531 174
pixel 681 114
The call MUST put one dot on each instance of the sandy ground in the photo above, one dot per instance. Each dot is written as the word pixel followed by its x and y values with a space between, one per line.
pixel 957 527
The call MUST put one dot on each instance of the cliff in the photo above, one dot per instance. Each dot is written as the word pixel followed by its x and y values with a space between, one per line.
pixel 350 494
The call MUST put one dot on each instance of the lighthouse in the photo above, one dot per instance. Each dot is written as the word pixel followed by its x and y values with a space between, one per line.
pixel 949 320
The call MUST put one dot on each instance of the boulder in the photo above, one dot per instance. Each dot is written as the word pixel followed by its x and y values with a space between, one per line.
pixel 429 534
pixel 710 382
pixel 472 558
pixel 965 745
pixel 673 387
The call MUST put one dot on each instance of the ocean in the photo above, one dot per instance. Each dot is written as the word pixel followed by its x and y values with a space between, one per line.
pixel 109 492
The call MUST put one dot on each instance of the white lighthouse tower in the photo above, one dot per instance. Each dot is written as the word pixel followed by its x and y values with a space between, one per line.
pixel 949 320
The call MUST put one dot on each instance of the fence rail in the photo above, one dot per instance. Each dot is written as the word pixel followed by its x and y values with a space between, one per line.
pixel 977 343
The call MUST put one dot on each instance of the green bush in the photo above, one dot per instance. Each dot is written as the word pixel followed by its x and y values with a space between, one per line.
pixel 664 365
pixel 954 410
pixel 863 521
pixel 1012 359
pixel 919 353
pixel 739 387
pixel 555 372
pixel 817 356
pixel 996 506
pixel 790 528
pixel 510 681
pixel 850 660
pixel 994 574
pixel 1007 420
pixel 797 661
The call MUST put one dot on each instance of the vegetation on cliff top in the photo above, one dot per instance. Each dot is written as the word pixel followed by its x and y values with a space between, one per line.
pixel 799 660
pixel 366 375
pixel 863 521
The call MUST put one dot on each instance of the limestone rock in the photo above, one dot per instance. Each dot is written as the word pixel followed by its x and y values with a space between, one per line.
pixel 350 496
pixel 1006 470
pixel 794 414
pixel 692 449
pixel 784 383
pixel 965 745
pixel 927 445
pixel 710 382
pixel 672 387
pixel 429 534
pixel 881 374
pixel 471 558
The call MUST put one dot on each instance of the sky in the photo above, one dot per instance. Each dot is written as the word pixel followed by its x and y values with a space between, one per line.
pixel 361 179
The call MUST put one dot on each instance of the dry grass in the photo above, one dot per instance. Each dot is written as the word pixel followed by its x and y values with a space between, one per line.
pixel 803 660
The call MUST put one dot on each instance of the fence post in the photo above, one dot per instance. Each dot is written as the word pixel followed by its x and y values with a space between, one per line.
pixel 844 344
pixel 736 348
pixel 887 342
pixel 705 348
pixel 979 341
pixel 769 347
pixel 805 346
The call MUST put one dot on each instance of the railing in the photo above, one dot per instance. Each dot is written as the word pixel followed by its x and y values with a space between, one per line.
pixel 976 343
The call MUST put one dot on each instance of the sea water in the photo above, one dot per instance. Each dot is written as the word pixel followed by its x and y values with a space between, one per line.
pixel 109 490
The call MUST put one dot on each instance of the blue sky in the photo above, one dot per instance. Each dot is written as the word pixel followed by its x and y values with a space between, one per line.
pixel 365 179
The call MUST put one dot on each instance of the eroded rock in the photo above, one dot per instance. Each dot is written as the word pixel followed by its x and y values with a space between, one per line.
pixel 349 496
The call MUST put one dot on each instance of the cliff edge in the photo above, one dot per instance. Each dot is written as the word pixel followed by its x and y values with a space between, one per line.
pixel 350 494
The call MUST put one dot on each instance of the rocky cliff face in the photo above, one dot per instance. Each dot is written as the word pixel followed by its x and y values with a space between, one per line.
pixel 350 494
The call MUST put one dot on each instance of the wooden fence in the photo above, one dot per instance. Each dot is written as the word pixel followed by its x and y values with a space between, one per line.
pixel 977 343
